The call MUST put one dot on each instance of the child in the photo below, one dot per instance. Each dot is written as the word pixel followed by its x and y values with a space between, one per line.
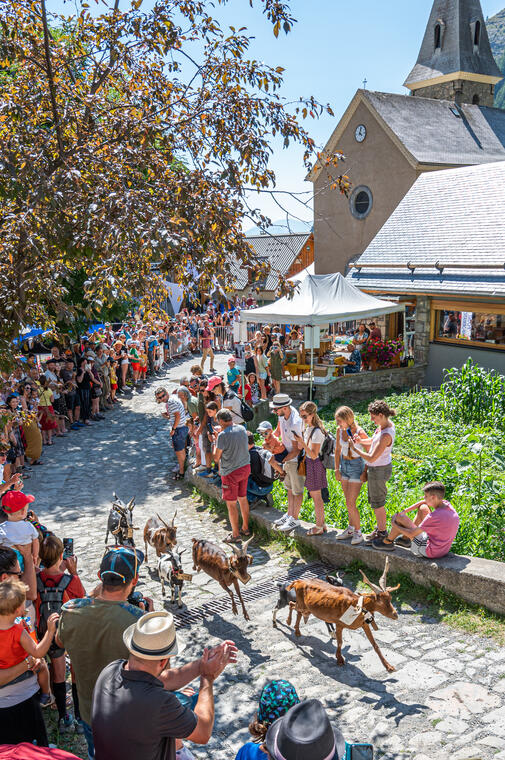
pixel 276 698
pixel 113 379
pixel 17 532
pixel 255 389
pixel 15 640
pixel 271 442
pixel 432 531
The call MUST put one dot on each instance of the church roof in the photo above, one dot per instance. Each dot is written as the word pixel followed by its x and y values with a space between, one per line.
pixel 446 236
pixel 438 132
pixel 458 51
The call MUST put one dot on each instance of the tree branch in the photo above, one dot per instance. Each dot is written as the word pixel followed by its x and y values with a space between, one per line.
pixel 50 78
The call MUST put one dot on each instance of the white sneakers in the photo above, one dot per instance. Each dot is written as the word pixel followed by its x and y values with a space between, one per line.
pixel 288 524
pixel 278 522
pixel 356 536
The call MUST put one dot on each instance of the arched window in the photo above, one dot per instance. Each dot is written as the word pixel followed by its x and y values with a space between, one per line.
pixel 475 100
pixel 476 35
pixel 438 37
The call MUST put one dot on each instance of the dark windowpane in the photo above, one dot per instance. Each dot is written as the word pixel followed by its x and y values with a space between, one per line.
pixel 362 202
pixel 476 38
pixel 437 36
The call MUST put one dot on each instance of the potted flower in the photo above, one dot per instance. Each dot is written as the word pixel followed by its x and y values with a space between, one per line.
pixel 382 353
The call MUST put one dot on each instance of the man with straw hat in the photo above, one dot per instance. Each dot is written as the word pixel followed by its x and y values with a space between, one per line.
pixel 133 714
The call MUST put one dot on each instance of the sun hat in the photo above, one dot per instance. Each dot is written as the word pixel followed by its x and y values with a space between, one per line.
pixel 152 637
pixel 231 359
pixel 305 731
pixel 265 427
pixel 13 501
pixel 280 400
pixel 214 382
pixel 120 565
pixel 277 697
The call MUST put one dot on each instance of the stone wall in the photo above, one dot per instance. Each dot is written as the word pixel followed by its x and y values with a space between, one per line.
pixel 365 384
pixel 459 91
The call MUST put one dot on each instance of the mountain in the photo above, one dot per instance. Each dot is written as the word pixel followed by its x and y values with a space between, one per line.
pixel 496 31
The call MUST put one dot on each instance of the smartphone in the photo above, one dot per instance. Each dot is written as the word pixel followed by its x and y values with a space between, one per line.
pixel 68 548
pixel 358 752
pixel 349 432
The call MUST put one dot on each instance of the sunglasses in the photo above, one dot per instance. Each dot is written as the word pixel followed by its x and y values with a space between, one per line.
pixel 18 575
pixel 304 416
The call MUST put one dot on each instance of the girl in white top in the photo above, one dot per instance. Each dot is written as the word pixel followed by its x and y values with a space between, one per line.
pixel 376 452
pixel 349 469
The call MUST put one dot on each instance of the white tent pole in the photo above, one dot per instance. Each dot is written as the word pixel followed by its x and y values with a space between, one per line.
pixel 312 362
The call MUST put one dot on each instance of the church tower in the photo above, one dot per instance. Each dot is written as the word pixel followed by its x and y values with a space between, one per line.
pixel 455 61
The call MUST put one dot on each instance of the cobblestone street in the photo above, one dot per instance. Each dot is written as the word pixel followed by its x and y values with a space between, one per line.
pixel 447 697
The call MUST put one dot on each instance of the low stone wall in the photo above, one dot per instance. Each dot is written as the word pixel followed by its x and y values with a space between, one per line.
pixel 261 413
pixel 478 581
pixel 360 385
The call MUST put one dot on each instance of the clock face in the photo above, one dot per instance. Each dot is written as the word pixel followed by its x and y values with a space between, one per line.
pixel 360 133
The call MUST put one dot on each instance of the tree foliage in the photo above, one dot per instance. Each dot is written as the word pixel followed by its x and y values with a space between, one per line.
pixel 127 138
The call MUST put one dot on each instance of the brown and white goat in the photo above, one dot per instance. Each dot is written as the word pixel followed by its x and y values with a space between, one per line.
pixel 344 609
pixel 159 534
pixel 226 570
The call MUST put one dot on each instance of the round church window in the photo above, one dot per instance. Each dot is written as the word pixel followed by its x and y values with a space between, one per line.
pixel 361 202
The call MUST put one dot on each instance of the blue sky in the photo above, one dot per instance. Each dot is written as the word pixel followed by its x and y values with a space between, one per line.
pixel 334 46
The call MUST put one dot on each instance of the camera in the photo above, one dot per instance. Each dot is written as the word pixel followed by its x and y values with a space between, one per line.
pixel 137 599
pixel 68 548
pixel 358 751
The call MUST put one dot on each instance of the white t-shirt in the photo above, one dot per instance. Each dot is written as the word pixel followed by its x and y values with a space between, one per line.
pixel 235 407
pixel 310 437
pixel 18 533
pixel 293 424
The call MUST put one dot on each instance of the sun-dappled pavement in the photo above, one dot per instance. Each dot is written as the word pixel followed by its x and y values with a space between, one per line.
pixel 447 697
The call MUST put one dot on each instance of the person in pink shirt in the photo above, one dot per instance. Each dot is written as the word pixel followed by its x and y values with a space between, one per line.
pixel 432 531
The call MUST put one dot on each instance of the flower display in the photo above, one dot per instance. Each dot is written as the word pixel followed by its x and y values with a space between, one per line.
pixel 382 352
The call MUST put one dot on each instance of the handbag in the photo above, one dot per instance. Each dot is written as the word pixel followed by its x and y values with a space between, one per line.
pixel 301 467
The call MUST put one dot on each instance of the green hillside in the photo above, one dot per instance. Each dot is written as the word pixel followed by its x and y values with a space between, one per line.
pixel 496 30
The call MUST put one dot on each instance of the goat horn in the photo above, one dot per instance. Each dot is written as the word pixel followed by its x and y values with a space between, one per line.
pixel 236 550
pixel 162 520
pixel 382 582
pixel 372 585
pixel 246 544
pixel 173 518
pixel 389 589
pixel 131 503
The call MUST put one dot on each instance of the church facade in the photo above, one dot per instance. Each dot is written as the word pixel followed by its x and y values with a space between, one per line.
pixel 389 140
pixel 424 221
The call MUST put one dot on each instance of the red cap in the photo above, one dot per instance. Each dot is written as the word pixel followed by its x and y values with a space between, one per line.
pixel 13 501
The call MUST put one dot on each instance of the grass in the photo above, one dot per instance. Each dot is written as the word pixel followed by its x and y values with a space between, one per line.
pixel 430 602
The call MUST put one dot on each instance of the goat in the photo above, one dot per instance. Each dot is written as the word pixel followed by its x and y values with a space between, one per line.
pixel 170 571
pixel 285 597
pixel 344 608
pixel 120 522
pixel 160 534
pixel 226 570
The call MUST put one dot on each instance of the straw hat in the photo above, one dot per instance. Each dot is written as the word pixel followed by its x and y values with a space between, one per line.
pixel 152 637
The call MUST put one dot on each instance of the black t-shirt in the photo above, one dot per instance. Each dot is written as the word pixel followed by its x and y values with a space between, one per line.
pixel 133 717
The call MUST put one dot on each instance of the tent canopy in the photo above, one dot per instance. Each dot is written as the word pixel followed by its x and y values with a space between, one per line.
pixel 319 300
pixel 303 274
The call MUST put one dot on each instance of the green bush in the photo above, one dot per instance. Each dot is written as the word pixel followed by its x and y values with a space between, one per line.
pixel 431 445
pixel 474 394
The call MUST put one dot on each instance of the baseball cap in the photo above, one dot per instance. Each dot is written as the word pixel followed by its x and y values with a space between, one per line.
pixel 265 427
pixel 214 382
pixel 120 565
pixel 13 501
pixel 231 359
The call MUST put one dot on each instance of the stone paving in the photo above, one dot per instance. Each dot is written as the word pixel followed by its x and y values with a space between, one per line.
pixel 447 696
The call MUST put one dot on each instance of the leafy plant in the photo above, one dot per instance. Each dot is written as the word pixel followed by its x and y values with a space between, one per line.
pixel 474 394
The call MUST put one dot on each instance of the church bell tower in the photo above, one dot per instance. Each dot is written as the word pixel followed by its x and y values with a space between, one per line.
pixel 455 61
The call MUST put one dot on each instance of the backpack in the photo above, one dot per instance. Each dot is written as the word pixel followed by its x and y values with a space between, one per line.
pixel 51 600
pixel 267 472
pixel 327 452
pixel 246 411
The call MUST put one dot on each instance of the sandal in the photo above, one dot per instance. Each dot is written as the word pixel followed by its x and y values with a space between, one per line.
pixel 231 539
pixel 245 533
pixel 317 531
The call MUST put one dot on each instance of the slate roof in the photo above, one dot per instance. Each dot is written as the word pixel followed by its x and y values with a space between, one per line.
pixel 455 218
pixel 457 52
pixel 434 134
pixel 279 250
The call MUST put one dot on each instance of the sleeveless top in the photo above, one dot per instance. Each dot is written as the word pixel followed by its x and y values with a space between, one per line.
pixel 385 457
pixel 345 450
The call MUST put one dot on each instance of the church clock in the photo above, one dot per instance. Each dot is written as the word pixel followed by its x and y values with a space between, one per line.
pixel 360 133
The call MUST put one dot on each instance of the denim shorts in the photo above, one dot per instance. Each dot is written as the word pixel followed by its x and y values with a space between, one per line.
pixel 351 469
pixel 180 437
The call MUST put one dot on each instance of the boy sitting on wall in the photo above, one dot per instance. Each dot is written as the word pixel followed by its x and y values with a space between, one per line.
pixel 432 531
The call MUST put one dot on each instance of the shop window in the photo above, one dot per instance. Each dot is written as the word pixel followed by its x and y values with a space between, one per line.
pixel 486 328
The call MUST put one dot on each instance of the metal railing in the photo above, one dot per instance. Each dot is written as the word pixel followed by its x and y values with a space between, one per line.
pixel 223 338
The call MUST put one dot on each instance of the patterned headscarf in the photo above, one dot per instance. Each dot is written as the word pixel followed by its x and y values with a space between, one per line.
pixel 276 699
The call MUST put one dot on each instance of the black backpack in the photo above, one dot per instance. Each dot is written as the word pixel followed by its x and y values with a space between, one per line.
pixel 51 600
pixel 246 411
pixel 267 472
pixel 327 452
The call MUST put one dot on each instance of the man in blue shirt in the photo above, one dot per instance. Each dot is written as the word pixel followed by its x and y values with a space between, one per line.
pixel 353 362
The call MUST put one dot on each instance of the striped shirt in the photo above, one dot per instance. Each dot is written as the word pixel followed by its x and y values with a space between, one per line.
pixel 173 406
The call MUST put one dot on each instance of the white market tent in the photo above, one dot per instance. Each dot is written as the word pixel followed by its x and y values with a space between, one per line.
pixel 303 274
pixel 320 299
